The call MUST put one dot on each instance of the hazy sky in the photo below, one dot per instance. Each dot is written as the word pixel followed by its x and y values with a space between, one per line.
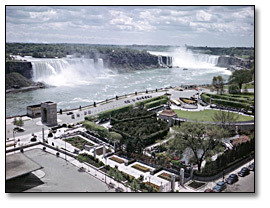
pixel 166 25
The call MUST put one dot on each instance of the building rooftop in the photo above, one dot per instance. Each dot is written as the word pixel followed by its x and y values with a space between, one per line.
pixel 18 164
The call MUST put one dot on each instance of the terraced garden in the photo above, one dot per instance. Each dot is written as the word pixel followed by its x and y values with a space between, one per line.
pixel 78 142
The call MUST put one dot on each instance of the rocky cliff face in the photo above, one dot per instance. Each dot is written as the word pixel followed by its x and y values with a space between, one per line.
pixel 229 61
pixel 22 67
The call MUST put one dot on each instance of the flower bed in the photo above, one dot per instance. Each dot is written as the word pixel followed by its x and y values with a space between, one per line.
pixel 99 151
pixel 196 184
pixel 165 176
pixel 116 159
pixel 78 142
pixel 154 186
pixel 140 168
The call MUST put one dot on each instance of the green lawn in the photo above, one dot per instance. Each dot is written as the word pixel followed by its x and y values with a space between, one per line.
pixel 206 115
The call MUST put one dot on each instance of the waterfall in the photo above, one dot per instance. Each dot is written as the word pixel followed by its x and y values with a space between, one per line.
pixel 67 71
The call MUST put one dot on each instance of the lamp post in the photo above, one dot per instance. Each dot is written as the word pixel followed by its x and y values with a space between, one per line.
pixel 149 182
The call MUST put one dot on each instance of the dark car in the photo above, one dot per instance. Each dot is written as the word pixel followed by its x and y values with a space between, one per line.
pixel 18 129
pixel 69 113
pixel 243 172
pixel 251 167
pixel 220 186
pixel 232 179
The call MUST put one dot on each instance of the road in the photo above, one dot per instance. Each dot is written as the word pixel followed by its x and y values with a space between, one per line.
pixel 245 184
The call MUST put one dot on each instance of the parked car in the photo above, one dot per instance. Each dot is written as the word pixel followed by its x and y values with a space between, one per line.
pixel 243 172
pixel 85 113
pixel 133 100
pixel 19 129
pixel 89 112
pixel 208 190
pixel 78 115
pixel 73 117
pixel 251 167
pixel 232 179
pixel 220 186
pixel 69 113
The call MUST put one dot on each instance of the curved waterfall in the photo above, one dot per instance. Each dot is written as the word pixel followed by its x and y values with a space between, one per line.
pixel 66 71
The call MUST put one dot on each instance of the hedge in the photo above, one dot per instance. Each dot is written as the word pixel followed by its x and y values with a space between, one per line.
pixel 205 98
pixel 114 120
pixel 107 114
pixel 231 98
pixel 232 104
pixel 227 101
pixel 100 130
pixel 143 102
pixel 155 103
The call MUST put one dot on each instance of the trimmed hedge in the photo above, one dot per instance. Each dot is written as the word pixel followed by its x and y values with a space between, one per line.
pixel 227 101
pixel 100 130
pixel 150 114
pixel 143 102
pixel 107 114
pixel 155 103
pixel 232 104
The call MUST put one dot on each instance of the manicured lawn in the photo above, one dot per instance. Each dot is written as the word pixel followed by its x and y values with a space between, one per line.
pixel 206 115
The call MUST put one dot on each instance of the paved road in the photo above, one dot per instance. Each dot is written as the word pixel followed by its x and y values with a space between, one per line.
pixel 34 125
pixel 245 184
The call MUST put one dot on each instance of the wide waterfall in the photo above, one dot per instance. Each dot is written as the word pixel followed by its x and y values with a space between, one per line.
pixel 181 57
pixel 67 71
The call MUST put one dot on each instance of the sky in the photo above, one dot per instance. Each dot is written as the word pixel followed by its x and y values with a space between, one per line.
pixel 220 26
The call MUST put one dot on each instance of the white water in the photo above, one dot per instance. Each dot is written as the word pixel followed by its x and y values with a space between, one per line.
pixel 80 81
pixel 68 71
pixel 187 59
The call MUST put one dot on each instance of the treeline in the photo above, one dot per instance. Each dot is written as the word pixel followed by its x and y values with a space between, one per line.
pixel 113 56
pixel 228 158
pixel 242 52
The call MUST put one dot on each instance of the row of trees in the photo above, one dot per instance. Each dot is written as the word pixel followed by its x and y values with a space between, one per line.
pixel 236 81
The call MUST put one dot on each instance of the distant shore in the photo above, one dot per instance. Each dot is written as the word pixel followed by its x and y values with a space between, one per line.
pixel 23 89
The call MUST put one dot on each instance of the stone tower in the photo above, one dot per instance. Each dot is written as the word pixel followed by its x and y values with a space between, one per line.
pixel 49 113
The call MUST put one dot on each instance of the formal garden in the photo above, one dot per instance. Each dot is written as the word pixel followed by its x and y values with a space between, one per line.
pixel 78 142
pixel 239 101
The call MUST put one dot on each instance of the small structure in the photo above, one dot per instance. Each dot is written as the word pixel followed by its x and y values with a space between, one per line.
pixel 18 165
pixel 168 115
pixel 33 111
pixel 49 113
pixel 189 86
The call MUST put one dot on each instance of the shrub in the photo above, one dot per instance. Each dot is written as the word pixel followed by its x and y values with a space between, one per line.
pixel 234 89
pixel 100 130
pixel 156 103
pixel 50 134
pixel 109 113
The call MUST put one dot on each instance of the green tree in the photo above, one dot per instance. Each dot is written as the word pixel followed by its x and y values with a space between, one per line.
pixel 218 84
pixel 135 185
pixel 234 89
pixel 240 77
pixel 225 118
pixel 200 138
pixel 115 137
